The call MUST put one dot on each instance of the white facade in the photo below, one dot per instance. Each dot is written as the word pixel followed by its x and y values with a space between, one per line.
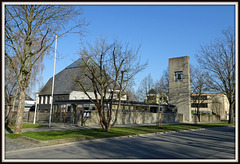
pixel 28 104
pixel 78 95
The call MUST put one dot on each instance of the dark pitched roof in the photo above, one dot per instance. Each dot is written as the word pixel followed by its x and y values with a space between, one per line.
pixel 28 98
pixel 64 81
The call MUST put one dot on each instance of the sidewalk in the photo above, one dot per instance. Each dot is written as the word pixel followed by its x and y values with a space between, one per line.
pixel 62 126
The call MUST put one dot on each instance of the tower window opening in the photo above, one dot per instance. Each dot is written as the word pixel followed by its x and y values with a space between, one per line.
pixel 178 76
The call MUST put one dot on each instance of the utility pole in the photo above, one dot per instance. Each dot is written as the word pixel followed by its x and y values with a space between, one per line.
pixel 50 116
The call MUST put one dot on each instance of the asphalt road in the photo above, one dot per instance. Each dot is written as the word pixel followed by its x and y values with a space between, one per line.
pixel 213 143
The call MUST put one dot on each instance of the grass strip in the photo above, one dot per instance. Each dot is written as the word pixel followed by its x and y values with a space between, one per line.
pixel 27 125
pixel 114 132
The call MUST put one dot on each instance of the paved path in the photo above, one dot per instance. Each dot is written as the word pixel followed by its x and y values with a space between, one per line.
pixel 212 143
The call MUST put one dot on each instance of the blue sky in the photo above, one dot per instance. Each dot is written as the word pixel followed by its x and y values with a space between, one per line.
pixel 164 31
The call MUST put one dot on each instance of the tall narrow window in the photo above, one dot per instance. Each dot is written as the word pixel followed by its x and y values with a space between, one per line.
pixel 42 99
pixel 178 76
pixel 46 99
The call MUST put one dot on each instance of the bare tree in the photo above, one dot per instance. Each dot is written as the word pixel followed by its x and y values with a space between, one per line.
pixel 29 24
pixel 198 88
pixel 218 58
pixel 217 105
pixel 109 69
pixel 162 85
pixel 36 74
pixel 131 96
pixel 145 86
pixel 11 90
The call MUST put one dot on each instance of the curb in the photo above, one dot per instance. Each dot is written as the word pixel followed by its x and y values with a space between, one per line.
pixel 52 142
pixel 68 141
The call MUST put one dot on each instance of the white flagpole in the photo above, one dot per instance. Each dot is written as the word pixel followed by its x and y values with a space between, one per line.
pixel 50 116
pixel 35 112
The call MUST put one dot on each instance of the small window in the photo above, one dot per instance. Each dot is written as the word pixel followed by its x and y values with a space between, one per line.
pixel 203 97
pixel 79 106
pixel 40 100
pixel 198 97
pixel 69 109
pixel 201 105
pixel 178 76
pixel 151 97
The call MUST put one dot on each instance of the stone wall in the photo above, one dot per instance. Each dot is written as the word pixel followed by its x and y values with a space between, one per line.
pixel 124 117
pixel 136 117
pixel 208 118
pixel 29 116
pixel 133 117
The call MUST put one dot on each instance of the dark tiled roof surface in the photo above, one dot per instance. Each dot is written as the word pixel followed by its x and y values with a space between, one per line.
pixel 64 81
pixel 28 98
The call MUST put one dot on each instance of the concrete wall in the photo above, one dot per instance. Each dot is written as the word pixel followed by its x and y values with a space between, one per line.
pixel 140 117
pixel 208 118
pixel 132 117
pixel 179 91
pixel 29 116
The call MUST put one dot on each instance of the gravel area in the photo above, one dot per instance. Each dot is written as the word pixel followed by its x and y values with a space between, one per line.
pixel 17 144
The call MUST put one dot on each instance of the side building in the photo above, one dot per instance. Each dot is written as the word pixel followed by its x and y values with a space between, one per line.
pixel 211 103
pixel 28 105
pixel 157 98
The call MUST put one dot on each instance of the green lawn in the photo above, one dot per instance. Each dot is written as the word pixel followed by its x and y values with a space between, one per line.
pixel 114 132
pixel 27 125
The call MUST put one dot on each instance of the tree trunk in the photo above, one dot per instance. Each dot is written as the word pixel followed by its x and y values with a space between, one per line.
pixel 198 114
pixel 231 114
pixel 160 121
pixel 108 128
pixel 195 117
pixel 20 112
pixel 101 118
pixel 7 115
pixel 10 108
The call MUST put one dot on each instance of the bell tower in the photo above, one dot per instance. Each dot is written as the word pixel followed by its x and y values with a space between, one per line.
pixel 179 86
